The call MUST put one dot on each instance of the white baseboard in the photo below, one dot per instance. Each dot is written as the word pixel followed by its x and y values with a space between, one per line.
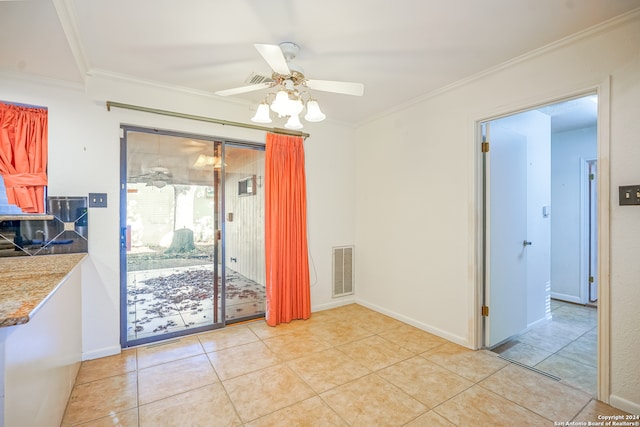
pixel 537 322
pixel 102 352
pixel 334 304
pixel 624 404
pixel 420 325
pixel 566 297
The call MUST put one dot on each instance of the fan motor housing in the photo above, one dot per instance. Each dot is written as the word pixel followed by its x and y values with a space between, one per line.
pixel 289 50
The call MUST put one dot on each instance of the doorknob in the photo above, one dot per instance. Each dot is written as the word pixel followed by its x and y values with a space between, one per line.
pixel 526 243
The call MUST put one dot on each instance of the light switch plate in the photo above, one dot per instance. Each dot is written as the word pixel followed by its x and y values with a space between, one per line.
pixel 97 200
pixel 629 195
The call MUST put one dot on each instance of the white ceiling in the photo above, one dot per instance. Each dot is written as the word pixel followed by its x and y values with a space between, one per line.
pixel 399 49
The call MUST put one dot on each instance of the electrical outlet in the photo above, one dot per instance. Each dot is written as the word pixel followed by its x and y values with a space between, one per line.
pixel 97 200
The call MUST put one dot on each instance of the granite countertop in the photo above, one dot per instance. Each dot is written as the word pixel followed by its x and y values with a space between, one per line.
pixel 26 282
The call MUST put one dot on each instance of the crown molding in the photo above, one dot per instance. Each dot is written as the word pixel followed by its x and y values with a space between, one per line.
pixel 126 78
pixel 42 80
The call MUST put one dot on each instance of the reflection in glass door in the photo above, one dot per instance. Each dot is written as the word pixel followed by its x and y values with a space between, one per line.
pixel 192 234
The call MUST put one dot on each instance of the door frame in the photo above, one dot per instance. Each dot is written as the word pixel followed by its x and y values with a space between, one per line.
pixel 223 144
pixel 602 89
pixel 124 342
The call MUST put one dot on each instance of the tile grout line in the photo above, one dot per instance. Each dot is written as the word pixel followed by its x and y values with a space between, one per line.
pixel 226 392
pixel 286 363
pixel 515 403
pixel 477 383
pixel 583 408
pixel 524 407
pixel 315 393
pixel 155 345
pixel 473 384
pixel 283 362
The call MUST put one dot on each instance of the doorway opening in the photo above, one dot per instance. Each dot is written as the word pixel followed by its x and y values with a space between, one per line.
pixel 191 244
pixel 539 240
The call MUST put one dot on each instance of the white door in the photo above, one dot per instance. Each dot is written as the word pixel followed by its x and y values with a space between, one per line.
pixel 507 235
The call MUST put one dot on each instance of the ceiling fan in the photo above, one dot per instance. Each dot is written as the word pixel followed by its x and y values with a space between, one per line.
pixel 292 84
pixel 155 177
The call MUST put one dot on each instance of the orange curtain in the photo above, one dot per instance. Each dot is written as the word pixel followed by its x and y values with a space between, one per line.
pixel 287 262
pixel 23 155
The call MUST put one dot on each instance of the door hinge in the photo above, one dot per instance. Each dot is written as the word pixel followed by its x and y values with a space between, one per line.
pixel 591 279
pixel 592 176
pixel 485 311
pixel 485 147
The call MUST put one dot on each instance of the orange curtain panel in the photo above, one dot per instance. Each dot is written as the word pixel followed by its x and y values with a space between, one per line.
pixel 23 155
pixel 287 262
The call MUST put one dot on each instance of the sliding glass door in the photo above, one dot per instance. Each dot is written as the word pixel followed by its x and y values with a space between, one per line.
pixel 192 227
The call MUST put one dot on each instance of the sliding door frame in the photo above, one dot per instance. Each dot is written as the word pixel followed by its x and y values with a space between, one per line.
pixel 221 251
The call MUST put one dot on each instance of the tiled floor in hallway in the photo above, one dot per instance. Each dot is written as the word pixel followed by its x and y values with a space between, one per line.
pixel 348 366
pixel 565 346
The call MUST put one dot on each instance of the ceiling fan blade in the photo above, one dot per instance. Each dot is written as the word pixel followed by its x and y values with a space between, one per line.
pixel 274 57
pixel 242 89
pixel 346 88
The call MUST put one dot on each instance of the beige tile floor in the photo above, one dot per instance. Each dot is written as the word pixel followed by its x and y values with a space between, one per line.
pixel 565 347
pixel 348 366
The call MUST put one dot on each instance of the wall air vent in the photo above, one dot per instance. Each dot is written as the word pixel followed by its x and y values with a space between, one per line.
pixel 342 271
pixel 256 78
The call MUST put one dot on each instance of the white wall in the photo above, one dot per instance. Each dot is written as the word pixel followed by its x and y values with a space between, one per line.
pixel 84 156
pixel 331 206
pixel 625 221
pixel 568 150
pixel 417 192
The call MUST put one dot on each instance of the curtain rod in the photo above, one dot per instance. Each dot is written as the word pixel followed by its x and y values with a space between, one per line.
pixel 19 104
pixel 205 119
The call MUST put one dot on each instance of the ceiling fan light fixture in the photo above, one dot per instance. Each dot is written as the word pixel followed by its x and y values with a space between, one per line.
pixel 157 184
pixel 295 106
pixel 287 103
pixel 203 161
pixel 293 123
pixel 314 114
pixel 279 104
pixel 289 79
pixel 262 114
